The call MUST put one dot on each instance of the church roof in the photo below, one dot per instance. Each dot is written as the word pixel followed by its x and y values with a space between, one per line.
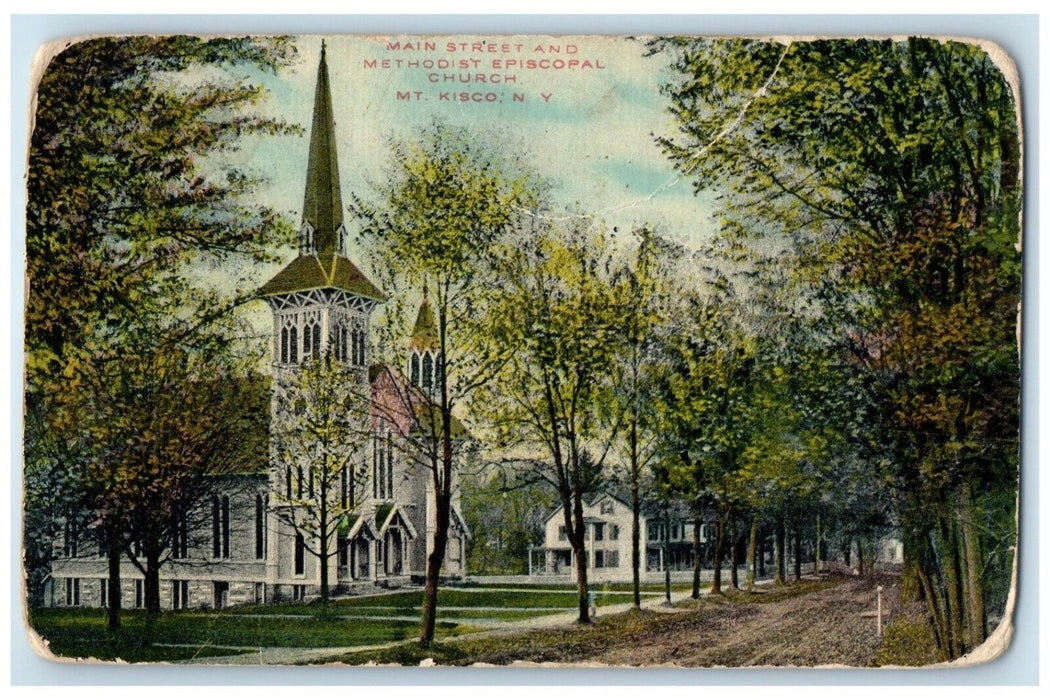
pixel 323 212
pixel 424 333
pixel 306 272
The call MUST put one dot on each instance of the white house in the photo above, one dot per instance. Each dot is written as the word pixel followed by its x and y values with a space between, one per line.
pixel 666 543
pixel 321 304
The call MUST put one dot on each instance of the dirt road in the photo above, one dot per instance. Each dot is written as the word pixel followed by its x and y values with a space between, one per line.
pixel 832 626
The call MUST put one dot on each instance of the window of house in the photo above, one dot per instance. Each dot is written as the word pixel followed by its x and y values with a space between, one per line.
pixel 138 593
pixel 300 555
pixel 260 527
pixel 599 532
pixel 180 595
pixel 612 559
pixel 599 559
pixel 614 532
pixel 651 532
pixel 674 531
pixel 563 533
pixel 293 345
pixel 299 593
pixel 606 507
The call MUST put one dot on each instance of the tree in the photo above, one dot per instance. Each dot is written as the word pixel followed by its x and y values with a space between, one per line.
pixel 120 204
pixel 319 436
pixel 558 315
pixel 891 170
pixel 645 282
pixel 447 207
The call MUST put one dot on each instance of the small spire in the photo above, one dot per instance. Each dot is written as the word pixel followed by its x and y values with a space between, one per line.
pixel 424 333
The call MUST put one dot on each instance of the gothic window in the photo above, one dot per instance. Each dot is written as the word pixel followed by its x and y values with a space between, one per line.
pixel 284 346
pixel 180 537
pixel 375 466
pixel 299 486
pixel 389 466
pixel 428 371
pixel 414 370
pixel 260 527
pixel 307 333
pixel 288 482
pixel 316 344
pixel 300 555
pixel 293 344
pixel 310 479
pixel 344 490
pixel 357 342
pixel 216 528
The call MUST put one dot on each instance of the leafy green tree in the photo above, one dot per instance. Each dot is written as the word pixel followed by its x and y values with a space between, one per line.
pixel 318 436
pixel 645 280
pixel 448 206
pixel 557 309
pixel 127 186
pixel 891 170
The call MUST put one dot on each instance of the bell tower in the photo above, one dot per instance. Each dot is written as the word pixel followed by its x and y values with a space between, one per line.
pixel 424 350
pixel 321 301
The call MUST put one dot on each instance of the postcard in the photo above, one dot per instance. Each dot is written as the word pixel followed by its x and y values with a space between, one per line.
pixel 451 350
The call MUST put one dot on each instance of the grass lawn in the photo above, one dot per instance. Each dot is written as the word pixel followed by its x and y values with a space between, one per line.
pixel 598 588
pixel 83 633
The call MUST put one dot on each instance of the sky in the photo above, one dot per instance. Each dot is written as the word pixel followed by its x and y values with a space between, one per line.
pixel 584 113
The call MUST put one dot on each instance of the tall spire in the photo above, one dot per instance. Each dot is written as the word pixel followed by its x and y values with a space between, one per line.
pixel 323 203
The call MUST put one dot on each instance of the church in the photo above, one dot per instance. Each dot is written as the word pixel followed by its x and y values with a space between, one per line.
pixel 254 546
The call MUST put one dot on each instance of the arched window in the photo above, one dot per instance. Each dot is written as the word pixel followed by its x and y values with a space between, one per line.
pixel 389 466
pixel 293 344
pixel 299 487
pixel 414 370
pixel 316 345
pixel 284 346
pixel 428 371
pixel 344 352
pixel 307 333
pixel 288 482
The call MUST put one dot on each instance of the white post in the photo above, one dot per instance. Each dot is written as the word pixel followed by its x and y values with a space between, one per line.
pixel 530 562
pixel 878 610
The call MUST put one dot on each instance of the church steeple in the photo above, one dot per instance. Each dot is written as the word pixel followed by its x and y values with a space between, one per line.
pixel 322 261
pixel 323 202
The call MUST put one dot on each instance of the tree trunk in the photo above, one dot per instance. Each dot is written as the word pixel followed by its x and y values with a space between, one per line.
pixel 860 555
pixel 734 551
pixel 798 551
pixel 761 551
pixel 434 561
pixel 720 545
pixel 847 549
pixel 152 584
pixel 636 507
pixel 752 553
pixel 953 585
pixel 779 541
pixel 636 542
pixel 816 548
pixel 974 585
pixel 697 525
pixel 113 545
